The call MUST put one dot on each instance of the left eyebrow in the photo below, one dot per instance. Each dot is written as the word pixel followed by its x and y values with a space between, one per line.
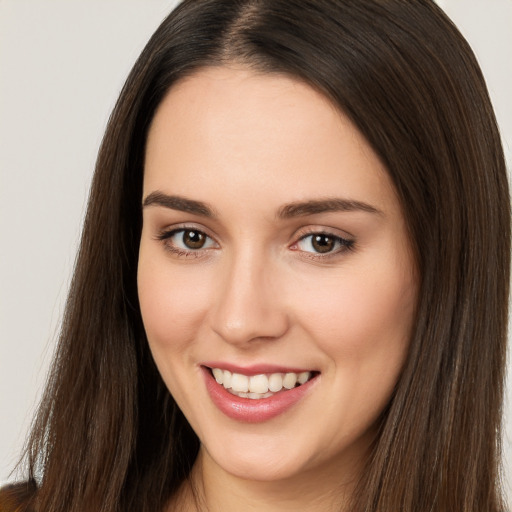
pixel 179 203
pixel 304 208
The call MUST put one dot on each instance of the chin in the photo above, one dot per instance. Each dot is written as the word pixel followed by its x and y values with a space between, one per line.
pixel 258 467
pixel 259 458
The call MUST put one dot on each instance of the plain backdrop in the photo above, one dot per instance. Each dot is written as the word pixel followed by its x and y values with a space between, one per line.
pixel 62 65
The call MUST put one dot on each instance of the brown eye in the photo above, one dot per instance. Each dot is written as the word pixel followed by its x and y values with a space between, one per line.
pixel 323 243
pixel 193 239
pixel 186 241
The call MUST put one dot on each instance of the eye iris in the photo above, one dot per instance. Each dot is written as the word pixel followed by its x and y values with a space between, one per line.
pixel 194 239
pixel 322 243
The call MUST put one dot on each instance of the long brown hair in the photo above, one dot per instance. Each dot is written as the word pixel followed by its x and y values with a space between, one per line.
pixel 109 437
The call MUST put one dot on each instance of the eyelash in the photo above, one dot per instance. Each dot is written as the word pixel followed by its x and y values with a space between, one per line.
pixel 341 243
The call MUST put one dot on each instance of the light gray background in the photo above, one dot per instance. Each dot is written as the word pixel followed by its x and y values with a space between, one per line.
pixel 62 64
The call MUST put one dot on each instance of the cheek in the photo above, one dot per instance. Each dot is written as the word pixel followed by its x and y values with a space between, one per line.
pixel 363 319
pixel 171 303
pixel 363 325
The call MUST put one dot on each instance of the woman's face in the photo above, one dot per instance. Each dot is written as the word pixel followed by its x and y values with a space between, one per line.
pixel 273 255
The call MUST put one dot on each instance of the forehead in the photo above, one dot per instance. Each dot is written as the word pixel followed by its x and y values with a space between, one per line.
pixel 232 130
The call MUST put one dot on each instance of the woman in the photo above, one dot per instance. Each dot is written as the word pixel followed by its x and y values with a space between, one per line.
pixel 292 285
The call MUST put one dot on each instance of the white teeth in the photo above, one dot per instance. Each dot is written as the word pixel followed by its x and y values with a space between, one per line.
pixel 240 383
pixel 275 382
pixel 226 381
pixel 303 377
pixel 219 375
pixel 289 381
pixel 261 385
pixel 258 383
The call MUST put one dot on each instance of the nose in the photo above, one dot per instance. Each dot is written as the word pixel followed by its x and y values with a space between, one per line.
pixel 250 305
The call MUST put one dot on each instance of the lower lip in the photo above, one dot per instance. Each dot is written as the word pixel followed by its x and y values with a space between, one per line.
pixel 253 410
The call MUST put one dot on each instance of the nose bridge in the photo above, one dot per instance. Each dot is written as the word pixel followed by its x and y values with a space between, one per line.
pixel 249 306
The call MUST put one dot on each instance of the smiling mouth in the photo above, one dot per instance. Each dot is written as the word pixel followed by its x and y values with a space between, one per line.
pixel 263 385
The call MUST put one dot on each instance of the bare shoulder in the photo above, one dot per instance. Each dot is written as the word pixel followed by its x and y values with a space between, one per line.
pixel 17 497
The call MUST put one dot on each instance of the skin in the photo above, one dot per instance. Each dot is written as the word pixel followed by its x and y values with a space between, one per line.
pixel 258 292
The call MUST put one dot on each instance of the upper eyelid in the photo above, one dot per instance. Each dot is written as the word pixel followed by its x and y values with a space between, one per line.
pixel 325 233
pixel 185 227
pixel 329 231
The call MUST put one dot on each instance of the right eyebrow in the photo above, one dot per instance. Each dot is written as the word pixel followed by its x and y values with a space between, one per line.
pixel 179 203
pixel 316 206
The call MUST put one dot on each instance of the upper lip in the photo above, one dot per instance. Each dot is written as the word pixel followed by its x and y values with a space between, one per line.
pixel 255 369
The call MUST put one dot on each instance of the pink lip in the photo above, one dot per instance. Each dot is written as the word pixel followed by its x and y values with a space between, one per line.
pixel 253 411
